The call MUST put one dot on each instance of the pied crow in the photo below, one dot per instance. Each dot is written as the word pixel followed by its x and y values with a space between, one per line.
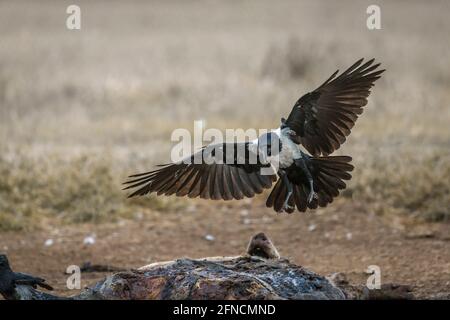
pixel 295 156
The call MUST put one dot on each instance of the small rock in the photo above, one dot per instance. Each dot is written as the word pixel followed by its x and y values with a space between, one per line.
pixel 388 291
pixel 338 278
pixel 312 227
pixel 349 236
pixel 440 296
pixel 421 234
pixel 191 208
pixel 244 212
pixel 210 237
pixel 246 221
pixel 48 242
pixel 89 240
pixel 139 215
pixel 266 219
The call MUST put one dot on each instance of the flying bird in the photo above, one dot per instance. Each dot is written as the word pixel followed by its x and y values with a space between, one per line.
pixel 296 156
pixel 9 279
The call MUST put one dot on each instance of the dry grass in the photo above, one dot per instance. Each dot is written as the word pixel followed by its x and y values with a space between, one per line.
pixel 82 189
pixel 81 110
pixel 417 186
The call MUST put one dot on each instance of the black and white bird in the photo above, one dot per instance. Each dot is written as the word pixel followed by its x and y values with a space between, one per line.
pixel 10 281
pixel 304 174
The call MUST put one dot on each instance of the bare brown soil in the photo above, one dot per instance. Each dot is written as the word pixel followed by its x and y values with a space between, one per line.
pixel 341 238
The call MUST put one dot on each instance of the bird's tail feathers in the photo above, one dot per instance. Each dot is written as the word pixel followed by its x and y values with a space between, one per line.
pixel 328 174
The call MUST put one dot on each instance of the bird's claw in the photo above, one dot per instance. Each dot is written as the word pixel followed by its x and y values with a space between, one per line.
pixel 286 207
pixel 312 195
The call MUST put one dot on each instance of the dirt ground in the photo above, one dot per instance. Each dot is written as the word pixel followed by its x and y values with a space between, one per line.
pixel 344 239
pixel 80 110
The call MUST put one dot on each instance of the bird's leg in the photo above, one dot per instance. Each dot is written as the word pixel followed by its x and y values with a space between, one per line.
pixel 302 164
pixel 288 184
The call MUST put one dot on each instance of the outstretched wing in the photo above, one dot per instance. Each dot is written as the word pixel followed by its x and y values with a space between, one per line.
pixel 323 118
pixel 222 171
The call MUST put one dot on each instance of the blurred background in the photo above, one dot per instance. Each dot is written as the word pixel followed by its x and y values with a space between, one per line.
pixel 82 109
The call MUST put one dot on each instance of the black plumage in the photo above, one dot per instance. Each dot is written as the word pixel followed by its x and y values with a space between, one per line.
pixel 220 179
pixel 323 118
pixel 319 121
pixel 328 174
